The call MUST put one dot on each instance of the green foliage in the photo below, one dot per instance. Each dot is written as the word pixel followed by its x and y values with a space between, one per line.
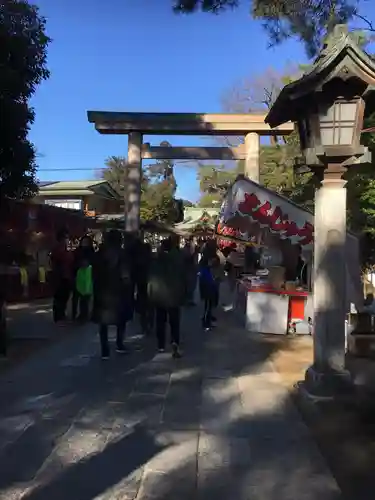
pixel 213 182
pixel 276 173
pixel 23 58
pixel 158 188
pixel 361 199
pixel 210 200
pixel 213 6
pixel 307 20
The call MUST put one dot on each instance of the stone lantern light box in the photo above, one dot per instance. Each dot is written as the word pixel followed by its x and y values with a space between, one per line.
pixel 328 102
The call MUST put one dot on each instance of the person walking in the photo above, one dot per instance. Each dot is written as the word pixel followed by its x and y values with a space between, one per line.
pixel 208 290
pixel 113 290
pixel 62 276
pixel 167 291
pixel 141 271
pixel 83 259
pixel 212 255
pixel 191 260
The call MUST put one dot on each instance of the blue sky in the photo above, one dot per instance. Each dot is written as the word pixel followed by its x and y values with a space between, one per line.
pixel 136 55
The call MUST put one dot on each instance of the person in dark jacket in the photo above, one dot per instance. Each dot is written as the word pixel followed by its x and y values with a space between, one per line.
pixel 167 292
pixel 62 276
pixel 113 290
pixel 83 255
pixel 212 255
pixel 191 260
pixel 141 272
pixel 208 289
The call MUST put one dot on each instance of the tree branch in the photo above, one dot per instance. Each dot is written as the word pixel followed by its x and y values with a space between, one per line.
pixel 369 24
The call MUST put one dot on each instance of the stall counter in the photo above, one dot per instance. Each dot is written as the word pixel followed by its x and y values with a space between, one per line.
pixel 268 310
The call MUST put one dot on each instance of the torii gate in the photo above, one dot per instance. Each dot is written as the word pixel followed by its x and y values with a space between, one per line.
pixel 135 125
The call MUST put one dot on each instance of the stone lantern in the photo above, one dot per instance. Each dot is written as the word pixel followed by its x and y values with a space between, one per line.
pixel 328 104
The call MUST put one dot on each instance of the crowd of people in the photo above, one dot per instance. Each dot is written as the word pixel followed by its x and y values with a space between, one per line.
pixel 109 284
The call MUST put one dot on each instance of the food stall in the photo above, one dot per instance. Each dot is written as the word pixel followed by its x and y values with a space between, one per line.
pixel 275 296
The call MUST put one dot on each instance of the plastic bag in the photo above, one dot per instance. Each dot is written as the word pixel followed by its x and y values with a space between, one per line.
pixel 84 284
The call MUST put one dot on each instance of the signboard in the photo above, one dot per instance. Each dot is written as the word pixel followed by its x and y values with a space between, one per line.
pixel 262 206
pixel 72 204
pixel 231 232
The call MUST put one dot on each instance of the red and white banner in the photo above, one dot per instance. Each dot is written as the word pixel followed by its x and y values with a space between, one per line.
pixel 257 204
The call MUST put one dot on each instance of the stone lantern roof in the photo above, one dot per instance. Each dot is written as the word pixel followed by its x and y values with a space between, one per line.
pixel 342 58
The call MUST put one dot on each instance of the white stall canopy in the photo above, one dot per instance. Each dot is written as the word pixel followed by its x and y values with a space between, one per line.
pixel 249 208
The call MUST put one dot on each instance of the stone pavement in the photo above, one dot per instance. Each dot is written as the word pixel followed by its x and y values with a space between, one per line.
pixel 31 320
pixel 217 423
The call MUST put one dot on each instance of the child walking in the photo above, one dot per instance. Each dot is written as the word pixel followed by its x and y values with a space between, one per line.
pixel 208 291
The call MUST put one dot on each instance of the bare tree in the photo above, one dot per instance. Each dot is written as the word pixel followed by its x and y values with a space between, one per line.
pixel 255 94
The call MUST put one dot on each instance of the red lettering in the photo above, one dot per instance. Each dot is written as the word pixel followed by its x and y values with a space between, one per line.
pixel 250 203
pixel 277 214
pixel 261 214
pixel 306 233
pixel 291 229
pixel 226 230
pixel 219 228
pixel 276 221
pixel 282 225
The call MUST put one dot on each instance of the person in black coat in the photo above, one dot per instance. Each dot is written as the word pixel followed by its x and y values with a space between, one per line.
pixel 142 259
pixel 113 290
pixel 191 259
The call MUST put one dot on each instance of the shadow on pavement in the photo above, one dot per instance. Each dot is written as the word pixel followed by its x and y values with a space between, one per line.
pixel 145 426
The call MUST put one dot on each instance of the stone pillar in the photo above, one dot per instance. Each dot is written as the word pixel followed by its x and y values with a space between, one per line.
pixel 327 375
pixel 133 179
pixel 252 147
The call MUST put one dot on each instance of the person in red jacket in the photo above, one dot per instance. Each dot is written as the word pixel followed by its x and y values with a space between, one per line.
pixel 62 276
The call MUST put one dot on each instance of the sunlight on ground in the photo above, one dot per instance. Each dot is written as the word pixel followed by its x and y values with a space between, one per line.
pixel 43 311
pixel 292 360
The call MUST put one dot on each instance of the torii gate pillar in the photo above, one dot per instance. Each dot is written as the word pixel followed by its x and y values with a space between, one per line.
pixel 252 147
pixel 133 183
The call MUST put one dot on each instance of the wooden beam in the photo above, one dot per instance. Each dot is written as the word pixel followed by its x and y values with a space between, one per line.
pixel 107 122
pixel 191 153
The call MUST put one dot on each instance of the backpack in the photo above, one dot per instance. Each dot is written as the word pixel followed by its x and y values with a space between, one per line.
pixel 167 281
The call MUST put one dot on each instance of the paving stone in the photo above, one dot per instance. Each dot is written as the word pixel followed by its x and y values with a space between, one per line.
pixel 215 452
pixel 26 455
pixel 286 478
pixel 152 383
pixel 216 424
pixel 178 484
pixel 11 428
pixel 179 449
pixel 14 492
pixel 126 489
pixel 145 409
pixel 221 405
pixel 116 467
pixel 219 484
